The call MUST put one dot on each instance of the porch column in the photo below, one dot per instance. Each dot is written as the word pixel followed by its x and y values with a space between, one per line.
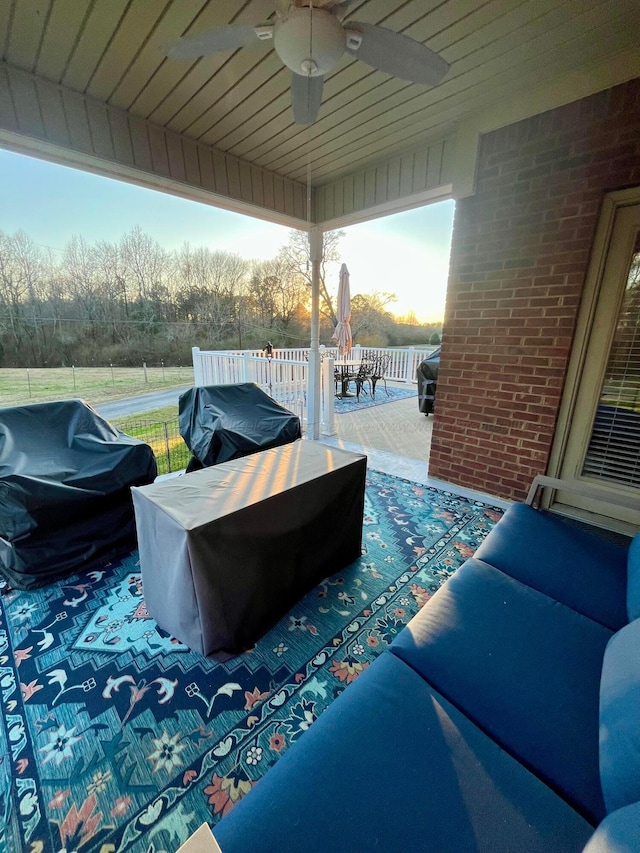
pixel 313 401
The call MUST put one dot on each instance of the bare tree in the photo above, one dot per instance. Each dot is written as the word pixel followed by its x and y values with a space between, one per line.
pixel 295 256
pixel 278 293
pixel 81 275
pixel 23 268
pixel 146 268
pixel 369 315
pixel 131 298
pixel 111 275
pixel 210 286
pixel 410 318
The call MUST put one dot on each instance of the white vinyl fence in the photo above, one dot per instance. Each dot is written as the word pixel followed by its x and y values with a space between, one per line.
pixel 284 375
pixel 283 379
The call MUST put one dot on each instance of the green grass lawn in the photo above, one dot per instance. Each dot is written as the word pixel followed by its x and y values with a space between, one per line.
pixel 92 384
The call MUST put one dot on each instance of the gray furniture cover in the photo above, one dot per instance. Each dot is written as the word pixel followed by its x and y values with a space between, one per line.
pixel 227 551
pixel 65 502
pixel 223 422
pixel 427 376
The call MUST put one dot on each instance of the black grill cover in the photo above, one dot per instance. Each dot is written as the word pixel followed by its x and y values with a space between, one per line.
pixel 65 500
pixel 427 376
pixel 223 422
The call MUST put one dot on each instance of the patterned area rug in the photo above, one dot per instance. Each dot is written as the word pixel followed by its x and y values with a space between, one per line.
pixel 116 737
pixel 352 404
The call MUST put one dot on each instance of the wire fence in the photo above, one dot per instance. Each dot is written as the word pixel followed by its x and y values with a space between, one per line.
pixel 164 438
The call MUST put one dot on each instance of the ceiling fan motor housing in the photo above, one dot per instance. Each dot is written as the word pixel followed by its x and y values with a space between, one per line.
pixel 309 41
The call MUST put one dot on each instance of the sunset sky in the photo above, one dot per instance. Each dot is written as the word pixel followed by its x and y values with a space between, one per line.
pixel 406 254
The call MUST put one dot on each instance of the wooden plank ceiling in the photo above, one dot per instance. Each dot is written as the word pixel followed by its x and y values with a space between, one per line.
pixel 501 52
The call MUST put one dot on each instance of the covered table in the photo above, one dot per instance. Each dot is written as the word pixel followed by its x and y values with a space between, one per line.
pixel 427 376
pixel 65 501
pixel 223 422
pixel 226 551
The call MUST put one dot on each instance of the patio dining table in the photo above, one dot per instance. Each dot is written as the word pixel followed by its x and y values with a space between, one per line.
pixel 345 369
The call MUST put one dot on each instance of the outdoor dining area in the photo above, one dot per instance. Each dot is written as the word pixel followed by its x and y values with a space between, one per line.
pixel 373 364
pixel 364 376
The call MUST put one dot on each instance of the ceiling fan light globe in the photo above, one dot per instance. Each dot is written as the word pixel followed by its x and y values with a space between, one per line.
pixel 309 40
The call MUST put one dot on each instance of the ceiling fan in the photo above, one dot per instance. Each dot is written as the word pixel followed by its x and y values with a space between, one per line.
pixel 310 38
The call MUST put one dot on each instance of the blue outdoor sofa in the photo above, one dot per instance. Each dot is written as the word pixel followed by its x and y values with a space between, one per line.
pixel 504 717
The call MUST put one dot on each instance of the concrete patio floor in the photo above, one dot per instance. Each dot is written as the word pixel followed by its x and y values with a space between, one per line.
pixel 396 438
pixel 396 427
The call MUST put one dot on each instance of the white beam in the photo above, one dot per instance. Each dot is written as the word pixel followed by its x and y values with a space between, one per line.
pixel 313 402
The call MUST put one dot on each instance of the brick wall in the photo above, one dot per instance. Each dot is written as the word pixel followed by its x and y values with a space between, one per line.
pixel 520 251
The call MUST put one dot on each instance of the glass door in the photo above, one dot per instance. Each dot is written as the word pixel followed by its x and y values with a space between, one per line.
pixel 603 435
pixel 613 453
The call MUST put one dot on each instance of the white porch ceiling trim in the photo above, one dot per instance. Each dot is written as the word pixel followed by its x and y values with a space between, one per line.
pixel 44 119
pixel 375 211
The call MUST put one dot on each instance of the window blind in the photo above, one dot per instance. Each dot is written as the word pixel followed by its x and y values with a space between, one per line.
pixel 613 453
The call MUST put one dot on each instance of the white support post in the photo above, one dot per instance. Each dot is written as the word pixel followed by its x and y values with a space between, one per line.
pixel 198 379
pixel 328 407
pixel 410 372
pixel 313 400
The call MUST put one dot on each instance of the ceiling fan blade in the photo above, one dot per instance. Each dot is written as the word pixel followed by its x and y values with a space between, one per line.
pixel 221 39
pixel 306 98
pixel 396 54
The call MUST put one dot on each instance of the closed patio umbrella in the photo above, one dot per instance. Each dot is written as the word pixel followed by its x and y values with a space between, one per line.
pixel 342 332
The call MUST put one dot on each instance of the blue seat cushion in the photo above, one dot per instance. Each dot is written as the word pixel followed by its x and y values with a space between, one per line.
pixel 633 579
pixel 620 718
pixel 391 765
pixel 581 569
pixel 523 667
pixel 618 833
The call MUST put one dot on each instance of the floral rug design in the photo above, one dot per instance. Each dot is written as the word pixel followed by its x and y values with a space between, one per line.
pixel 116 737
pixel 352 404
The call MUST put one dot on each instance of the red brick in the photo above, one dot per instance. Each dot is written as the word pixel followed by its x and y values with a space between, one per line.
pixel 519 258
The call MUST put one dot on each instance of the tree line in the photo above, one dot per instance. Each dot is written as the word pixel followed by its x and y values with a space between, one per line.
pixel 132 300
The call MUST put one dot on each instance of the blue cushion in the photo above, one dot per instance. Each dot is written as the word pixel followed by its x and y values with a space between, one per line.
pixel 523 667
pixel 620 718
pixel 391 765
pixel 581 569
pixel 633 579
pixel 619 832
